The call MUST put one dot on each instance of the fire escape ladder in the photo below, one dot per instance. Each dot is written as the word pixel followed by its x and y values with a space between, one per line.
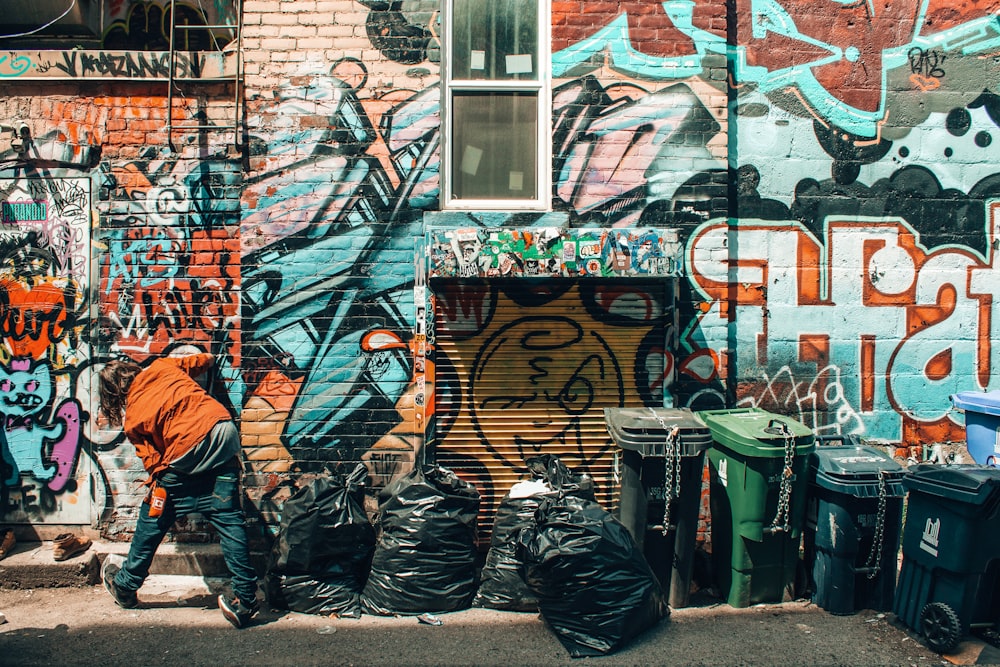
pixel 229 71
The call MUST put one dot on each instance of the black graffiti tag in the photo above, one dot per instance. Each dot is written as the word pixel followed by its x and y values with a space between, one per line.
pixel 926 63
pixel 128 64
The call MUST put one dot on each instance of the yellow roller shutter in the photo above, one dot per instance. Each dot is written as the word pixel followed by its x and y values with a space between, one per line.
pixel 526 367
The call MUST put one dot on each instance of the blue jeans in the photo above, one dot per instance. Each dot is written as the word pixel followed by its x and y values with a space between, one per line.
pixel 214 495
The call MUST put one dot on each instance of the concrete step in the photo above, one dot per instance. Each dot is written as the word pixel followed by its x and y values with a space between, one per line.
pixel 31 564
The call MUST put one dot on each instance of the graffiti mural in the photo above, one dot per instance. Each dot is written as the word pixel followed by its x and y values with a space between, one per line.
pixel 169 282
pixel 170 269
pixel 827 172
pixel 165 281
pixel 867 330
pixel 44 278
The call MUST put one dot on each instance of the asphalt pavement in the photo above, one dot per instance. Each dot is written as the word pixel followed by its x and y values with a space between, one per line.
pixel 59 614
pixel 178 623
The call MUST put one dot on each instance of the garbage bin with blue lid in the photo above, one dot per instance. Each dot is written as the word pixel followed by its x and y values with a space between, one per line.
pixel 982 424
pixel 662 456
pixel 854 517
pixel 949 580
pixel 757 468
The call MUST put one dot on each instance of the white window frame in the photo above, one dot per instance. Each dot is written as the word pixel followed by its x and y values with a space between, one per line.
pixel 542 87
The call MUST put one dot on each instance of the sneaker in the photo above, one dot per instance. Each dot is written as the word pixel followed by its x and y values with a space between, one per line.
pixel 67 545
pixel 236 612
pixel 7 542
pixel 123 598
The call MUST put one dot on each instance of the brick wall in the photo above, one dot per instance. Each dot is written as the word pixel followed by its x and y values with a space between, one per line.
pixel 835 211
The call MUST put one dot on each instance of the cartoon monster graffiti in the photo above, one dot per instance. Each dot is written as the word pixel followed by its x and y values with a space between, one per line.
pixel 26 388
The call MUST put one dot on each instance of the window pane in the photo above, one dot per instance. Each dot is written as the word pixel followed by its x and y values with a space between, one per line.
pixel 493 150
pixel 495 40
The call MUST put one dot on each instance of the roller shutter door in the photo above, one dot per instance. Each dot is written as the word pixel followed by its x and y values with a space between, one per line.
pixel 526 367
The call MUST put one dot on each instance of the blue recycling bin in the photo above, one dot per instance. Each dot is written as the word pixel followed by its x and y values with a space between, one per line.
pixel 948 581
pixel 854 516
pixel 982 424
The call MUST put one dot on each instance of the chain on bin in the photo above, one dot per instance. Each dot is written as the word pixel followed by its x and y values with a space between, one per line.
pixel 875 557
pixel 671 469
pixel 782 518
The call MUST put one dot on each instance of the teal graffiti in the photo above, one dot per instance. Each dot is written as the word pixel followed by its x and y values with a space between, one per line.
pixel 15 67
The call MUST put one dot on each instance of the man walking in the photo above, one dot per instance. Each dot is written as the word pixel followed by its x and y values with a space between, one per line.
pixel 190 447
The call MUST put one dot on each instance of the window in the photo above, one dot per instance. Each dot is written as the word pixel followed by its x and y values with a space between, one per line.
pixel 497 100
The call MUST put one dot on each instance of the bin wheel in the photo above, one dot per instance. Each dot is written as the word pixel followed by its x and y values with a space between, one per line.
pixel 940 626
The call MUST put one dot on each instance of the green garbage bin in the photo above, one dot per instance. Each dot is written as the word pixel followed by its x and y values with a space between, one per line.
pixel 758 481
pixel 949 580
pixel 662 459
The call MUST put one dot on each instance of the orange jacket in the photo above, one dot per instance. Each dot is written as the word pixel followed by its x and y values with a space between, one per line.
pixel 167 412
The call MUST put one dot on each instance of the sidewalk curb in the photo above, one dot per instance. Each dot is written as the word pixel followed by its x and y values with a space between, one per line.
pixel 31 564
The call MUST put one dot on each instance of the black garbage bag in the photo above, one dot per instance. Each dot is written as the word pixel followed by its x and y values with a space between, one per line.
pixel 315 594
pixel 322 555
pixel 501 585
pixel 553 471
pixel 594 588
pixel 425 556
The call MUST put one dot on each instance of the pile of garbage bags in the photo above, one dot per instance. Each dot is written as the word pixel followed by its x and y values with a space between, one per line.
pixel 425 559
pixel 321 558
pixel 554 551
pixel 501 585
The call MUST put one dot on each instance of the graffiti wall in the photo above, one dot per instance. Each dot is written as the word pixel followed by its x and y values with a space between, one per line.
pixel 828 171
pixel 46 462
pixel 868 161
pixel 105 256
pixel 835 207
pixel 168 284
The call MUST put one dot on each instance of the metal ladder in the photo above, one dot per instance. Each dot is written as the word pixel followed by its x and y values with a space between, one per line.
pixel 236 78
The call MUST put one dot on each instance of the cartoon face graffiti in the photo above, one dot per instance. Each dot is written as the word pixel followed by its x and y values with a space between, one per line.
pixel 26 388
pixel 24 391
pixel 395 453
pixel 551 372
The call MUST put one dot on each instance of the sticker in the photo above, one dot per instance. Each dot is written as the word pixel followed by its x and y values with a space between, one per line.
pixel 932 535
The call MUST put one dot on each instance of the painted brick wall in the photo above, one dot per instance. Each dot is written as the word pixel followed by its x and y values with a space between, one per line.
pixel 163 277
pixel 327 250
pixel 830 169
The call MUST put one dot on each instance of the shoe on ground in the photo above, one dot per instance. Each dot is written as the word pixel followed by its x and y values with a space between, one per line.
pixel 67 545
pixel 7 542
pixel 123 598
pixel 236 612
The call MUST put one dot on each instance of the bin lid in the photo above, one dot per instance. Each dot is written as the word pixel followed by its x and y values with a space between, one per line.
pixel 756 432
pixel 855 469
pixel 645 430
pixel 987 402
pixel 968 482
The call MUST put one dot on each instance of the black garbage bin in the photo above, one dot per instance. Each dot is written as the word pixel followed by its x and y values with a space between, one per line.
pixel 854 515
pixel 948 581
pixel 662 455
